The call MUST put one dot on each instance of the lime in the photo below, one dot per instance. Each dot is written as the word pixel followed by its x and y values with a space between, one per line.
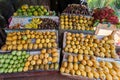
pixel 5 65
pixel 10 66
pixel 15 70
pixel 10 70
pixel 18 65
pixel 2 60
pixel 22 65
pixel 19 57
pixel 23 57
pixel 28 10
pixel 36 7
pixel 10 56
pixel 39 10
pixel 7 61
pixel 14 52
pixel 27 55
pixel 19 53
pixel 24 60
pixel 20 14
pixel 19 10
pixel 1 65
pixel 16 62
pixel 45 10
pixel 1 56
pixel 12 62
pixel 25 13
pixel 42 7
pixel 5 56
pixel 20 69
pixel 47 14
pixel 2 70
pixel 30 14
pixel 35 13
pixel 31 7
pixel 14 66
pixel 6 71
pixel 24 53
pixel 21 61
pixel 15 58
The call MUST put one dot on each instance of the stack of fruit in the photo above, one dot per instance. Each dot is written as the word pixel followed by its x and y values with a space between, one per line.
pixel 77 9
pixel 30 40
pixel 46 60
pixel 78 43
pixel 105 15
pixel 42 23
pixel 88 66
pixel 26 10
pixel 74 22
pixel 13 62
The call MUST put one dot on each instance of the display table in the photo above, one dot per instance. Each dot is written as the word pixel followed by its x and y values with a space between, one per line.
pixel 37 76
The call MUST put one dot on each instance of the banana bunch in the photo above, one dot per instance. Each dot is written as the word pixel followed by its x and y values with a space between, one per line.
pixel 34 23
pixel 37 20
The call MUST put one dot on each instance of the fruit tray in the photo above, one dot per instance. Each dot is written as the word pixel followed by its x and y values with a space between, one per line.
pixel 25 20
pixel 76 22
pixel 30 61
pixel 64 38
pixel 82 61
pixel 49 63
pixel 33 40
pixel 116 57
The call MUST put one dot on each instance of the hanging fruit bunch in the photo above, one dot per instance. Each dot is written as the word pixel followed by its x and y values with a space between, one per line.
pixel 105 15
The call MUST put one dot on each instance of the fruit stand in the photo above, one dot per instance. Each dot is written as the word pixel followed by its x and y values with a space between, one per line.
pixel 80 44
